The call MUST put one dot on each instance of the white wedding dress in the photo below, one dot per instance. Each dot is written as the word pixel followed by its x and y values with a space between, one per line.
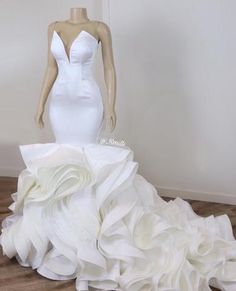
pixel 81 210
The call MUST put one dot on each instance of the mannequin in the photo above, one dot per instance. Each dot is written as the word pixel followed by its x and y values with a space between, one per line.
pixel 68 30
pixel 78 200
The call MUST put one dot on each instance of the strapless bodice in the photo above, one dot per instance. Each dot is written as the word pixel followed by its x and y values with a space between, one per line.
pixel 75 68
pixel 76 107
pixel 78 65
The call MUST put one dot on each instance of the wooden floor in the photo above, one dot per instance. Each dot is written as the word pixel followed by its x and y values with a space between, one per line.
pixel 14 277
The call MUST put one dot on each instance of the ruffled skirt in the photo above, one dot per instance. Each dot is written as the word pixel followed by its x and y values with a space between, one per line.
pixel 84 213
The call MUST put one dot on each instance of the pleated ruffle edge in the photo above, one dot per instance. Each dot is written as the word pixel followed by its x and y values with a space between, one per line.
pixel 85 213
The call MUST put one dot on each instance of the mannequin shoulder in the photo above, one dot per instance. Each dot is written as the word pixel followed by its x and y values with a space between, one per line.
pixel 102 28
pixel 51 26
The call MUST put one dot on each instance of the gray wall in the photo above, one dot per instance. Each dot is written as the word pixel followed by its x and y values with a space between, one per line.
pixel 176 65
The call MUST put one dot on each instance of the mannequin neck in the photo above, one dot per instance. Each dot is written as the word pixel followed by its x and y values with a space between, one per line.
pixel 78 15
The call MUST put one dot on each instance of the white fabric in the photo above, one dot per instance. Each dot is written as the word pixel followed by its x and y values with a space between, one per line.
pixel 81 210
pixel 76 106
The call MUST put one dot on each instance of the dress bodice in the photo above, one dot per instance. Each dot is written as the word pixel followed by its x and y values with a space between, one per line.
pixel 81 54
pixel 76 106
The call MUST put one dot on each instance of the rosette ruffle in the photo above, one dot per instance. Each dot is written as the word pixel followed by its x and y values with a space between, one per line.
pixel 84 213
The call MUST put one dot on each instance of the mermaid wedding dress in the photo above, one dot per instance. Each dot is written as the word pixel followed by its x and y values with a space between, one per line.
pixel 81 210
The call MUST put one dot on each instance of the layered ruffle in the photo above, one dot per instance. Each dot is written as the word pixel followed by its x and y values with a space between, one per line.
pixel 84 213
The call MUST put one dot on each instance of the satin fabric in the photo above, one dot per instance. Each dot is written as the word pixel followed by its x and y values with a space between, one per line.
pixel 76 105
pixel 82 211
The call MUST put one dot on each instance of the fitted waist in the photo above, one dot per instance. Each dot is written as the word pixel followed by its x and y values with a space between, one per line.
pixel 74 72
pixel 75 82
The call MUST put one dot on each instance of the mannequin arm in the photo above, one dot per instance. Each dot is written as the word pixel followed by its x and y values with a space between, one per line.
pixel 48 80
pixel 109 72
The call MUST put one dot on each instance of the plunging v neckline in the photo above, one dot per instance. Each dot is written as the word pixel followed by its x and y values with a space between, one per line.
pixel 68 55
